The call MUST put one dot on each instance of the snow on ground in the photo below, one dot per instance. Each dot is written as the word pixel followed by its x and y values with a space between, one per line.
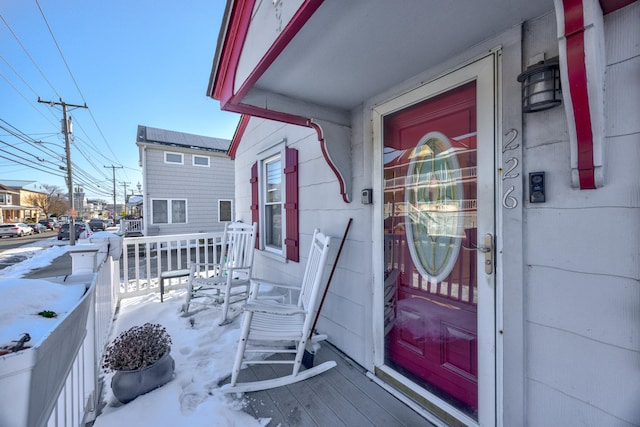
pixel 203 353
pixel 202 350
pixel 47 250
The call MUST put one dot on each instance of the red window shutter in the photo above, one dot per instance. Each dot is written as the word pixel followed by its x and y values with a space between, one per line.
pixel 291 239
pixel 254 200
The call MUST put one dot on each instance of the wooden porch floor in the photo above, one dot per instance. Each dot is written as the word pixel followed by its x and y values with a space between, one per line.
pixel 342 396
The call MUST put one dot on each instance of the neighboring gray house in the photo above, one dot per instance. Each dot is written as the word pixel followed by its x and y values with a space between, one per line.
pixel 188 181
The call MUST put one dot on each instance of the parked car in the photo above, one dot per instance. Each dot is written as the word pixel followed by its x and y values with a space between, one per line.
pixel 38 228
pixel 50 223
pixel 82 230
pixel 12 230
pixel 97 224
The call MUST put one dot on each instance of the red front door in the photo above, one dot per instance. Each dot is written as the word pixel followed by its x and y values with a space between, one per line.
pixel 430 226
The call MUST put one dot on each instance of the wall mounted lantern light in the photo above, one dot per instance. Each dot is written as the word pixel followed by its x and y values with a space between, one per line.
pixel 541 86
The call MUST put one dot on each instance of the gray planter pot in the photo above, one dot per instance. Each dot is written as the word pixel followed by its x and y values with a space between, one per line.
pixel 127 385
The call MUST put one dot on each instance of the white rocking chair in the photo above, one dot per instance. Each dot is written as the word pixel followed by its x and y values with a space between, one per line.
pixel 269 326
pixel 225 282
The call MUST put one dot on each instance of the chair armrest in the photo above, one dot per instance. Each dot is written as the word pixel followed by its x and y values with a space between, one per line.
pixel 273 308
pixel 254 293
pixel 258 282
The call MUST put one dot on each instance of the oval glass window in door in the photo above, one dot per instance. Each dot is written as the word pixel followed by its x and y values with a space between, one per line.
pixel 433 195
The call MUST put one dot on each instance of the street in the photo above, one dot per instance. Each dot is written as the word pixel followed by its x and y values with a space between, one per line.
pixel 7 243
pixel 15 242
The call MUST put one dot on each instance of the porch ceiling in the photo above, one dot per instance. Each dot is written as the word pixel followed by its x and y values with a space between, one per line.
pixel 350 50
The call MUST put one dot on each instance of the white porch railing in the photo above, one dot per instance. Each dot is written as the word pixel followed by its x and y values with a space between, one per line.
pixel 145 258
pixel 131 226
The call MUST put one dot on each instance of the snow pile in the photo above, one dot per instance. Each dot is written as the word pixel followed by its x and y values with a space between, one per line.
pixel 22 299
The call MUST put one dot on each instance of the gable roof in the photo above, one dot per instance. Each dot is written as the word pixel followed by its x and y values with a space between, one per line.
pixel 149 135
pixel 21 184
pixel 6 189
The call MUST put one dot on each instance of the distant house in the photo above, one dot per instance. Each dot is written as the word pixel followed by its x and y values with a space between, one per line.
pixel 9 210
pixel 188 181
pixel 14 195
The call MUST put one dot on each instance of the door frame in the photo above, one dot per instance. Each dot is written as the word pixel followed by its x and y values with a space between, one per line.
pixel 485 70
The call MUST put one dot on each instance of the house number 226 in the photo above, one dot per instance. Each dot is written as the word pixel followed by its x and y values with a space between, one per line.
pixel 511 168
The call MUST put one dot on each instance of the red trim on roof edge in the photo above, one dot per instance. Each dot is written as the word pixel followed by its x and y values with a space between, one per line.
pixel 577 76
pixel 233 42
pixel 237 136
pixel 609 6
pixel 297 22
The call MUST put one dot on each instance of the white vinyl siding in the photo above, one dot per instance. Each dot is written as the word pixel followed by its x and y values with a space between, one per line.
pixel 201 187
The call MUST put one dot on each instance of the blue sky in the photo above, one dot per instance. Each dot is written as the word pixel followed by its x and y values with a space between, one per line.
pixel 134 62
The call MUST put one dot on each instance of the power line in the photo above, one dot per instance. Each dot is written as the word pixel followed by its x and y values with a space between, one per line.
pixel 25 98
pixel 95 122
pixel 29 55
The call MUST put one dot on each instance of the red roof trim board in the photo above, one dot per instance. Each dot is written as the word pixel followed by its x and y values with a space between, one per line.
pixel 298 21
pixel 609 6
pixel 227 68
pixel 237 136
pixel 239 22
pixel 234 42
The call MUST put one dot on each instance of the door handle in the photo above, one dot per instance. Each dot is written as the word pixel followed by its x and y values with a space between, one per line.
pixel 487 250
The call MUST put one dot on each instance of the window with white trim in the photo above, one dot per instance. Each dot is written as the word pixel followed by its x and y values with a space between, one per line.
pixel 2 199
pixel 173 158
pixel 225 213
pixel 169 211
pixel 201 161
pixel 274 201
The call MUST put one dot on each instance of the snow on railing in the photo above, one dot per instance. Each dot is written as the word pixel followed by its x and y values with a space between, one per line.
pixel 145 258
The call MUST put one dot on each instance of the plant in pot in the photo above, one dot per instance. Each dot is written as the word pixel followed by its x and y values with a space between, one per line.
pixel 141 358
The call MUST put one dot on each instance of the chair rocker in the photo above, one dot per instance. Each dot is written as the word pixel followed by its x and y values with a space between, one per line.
pixel 270 327
pixel 225 282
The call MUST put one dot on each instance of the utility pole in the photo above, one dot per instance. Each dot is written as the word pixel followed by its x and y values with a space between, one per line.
pixel 113 168
pixel 124 206
pixel 67 130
